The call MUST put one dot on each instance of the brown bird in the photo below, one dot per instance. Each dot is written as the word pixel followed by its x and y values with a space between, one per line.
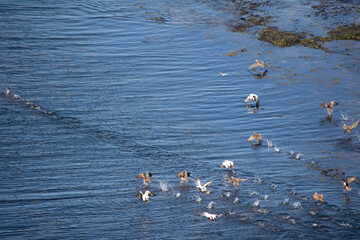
pixel 184 176
pixel 350 127
pixel 236 181
pixel 318 197
pixel 256 136
pixel 145 177
pixel 346 183
pixel 329 107
pixel 257 63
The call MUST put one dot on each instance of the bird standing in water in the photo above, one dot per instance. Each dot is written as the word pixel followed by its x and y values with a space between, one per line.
pixel 253 98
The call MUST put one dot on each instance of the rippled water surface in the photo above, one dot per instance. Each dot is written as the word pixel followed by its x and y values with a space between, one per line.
pixel 95 92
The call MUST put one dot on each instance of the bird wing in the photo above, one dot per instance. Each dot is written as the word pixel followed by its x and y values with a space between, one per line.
pixel 350 179
pixel 141 175
pixel 208 183
pixel 148 174
pixel 198 183
pixel 242 179
pixel 258 136
pixel 261 64
pixel 247 99
pixel 180 174
pixel 151 194
pixel 139 194
pixel 254 65
pixel 324 105
pixel 187 174
pixel 354 124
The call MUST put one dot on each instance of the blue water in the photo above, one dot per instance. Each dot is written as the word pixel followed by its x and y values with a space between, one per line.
pixel 110 89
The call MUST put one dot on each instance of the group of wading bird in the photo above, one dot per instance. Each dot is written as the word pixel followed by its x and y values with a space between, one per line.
pixel 184 175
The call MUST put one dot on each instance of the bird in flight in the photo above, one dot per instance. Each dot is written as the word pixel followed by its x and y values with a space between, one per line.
pixel 329 107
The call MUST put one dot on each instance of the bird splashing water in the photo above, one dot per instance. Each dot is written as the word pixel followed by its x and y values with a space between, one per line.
pixel 164 186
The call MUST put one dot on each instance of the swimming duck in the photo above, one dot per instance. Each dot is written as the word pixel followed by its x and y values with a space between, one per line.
pixel 350 127
pixel 145 177
pixel 318 197
pixel 210 216
pixel 203 188
pixel 227 164
pixel 346 184
pixel 257 63
pixel 145 196
pixel 253 98
pixel 184 176
pixel 329 107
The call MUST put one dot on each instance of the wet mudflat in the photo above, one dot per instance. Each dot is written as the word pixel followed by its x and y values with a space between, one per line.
pixel 107 90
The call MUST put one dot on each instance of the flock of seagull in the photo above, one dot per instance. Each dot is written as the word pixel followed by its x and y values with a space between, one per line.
pixel 254 140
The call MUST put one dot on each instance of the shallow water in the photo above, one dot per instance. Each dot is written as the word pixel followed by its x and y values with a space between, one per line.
pixel 108 90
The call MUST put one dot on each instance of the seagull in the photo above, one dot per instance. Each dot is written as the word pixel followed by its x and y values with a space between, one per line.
pixel 145 177
pixel 223 74
pixel 253 98
pixel 346 183
pixel 7 91
pixel 318 197
pixel 227 164
pixel 256 136
pixel 329 107
pixel 145 196
pixel 210 216
pixel 257 63
pixel 298 156
pixel 236 181
pixel 184 176
pixel 350 127
pixel 203 188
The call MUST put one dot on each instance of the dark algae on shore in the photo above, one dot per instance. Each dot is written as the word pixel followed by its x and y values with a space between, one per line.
pixel 278 37
pixel 346 32
pixel 264 18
